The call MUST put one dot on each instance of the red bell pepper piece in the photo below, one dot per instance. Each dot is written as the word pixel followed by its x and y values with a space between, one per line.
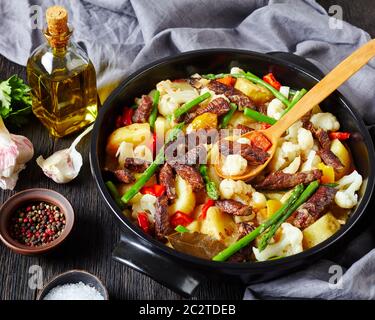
pixel 265 126
pixel 156 190
pixel 180 218
pixel 229 81
pixel 205 208
pixel 153 145
pixel 143 222
pixel 339 135
pixel 127 116
pixel 270 79
pixel 260 141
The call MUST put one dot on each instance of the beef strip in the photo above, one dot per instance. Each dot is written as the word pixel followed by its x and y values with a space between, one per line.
pixel 252 154
pixel 330 159
pixel 323 138
pixel 143 111
pixel 201 136
pixel 123 175
pixel 262 108
pixel 311 210
pixel 217 106
pixel 242 255
pixel 245 228
pixel 234 95
pixel 190 174
pixel 162 224
pixel 233 207
pixel 319 134
pixel 136 164
pixel 166 179
pixel 280 181
pixel 196 155
pixel 244 129
pixel 195 83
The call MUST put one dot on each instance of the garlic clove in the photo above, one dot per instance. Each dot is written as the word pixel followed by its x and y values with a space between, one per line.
pixel 64 165
pixel 15 151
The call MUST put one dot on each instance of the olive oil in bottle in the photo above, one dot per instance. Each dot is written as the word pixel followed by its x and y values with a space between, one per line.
pixel 62 79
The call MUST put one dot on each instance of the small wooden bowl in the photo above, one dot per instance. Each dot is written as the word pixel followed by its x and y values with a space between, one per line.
pixel 74 276
pixel 30 195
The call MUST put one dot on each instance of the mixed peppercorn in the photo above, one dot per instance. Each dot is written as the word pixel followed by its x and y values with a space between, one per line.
pixel 37 224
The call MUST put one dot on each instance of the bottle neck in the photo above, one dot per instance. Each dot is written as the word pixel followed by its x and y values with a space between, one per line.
pixel 58 42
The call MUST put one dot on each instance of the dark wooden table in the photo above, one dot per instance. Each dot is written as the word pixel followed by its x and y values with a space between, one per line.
pixel 96 231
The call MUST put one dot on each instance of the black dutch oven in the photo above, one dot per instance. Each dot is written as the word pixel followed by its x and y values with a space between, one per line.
pixel 183 273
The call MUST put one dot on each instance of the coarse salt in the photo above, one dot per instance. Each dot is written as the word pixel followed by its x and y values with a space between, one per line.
pixel 74 291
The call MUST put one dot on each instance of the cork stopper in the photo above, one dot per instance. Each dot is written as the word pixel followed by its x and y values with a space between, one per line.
pixel 58 31
pixel 57 20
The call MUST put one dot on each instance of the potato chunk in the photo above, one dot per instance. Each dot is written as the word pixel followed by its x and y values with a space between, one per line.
pixel 258 94
pixel 341 152
pixel 185 201
pixel 136 133
pixel 320 230
pixel 220 226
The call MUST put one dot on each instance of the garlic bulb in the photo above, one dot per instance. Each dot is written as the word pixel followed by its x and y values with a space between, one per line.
pixel 64 165
pixel 15 151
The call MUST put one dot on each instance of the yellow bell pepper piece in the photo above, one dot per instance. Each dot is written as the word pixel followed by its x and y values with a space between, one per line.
pixel 328 173
pixel 272 206
pixel 205 121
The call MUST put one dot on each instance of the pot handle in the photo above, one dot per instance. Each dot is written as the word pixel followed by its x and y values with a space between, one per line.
pixel 298 61
pixel 137 254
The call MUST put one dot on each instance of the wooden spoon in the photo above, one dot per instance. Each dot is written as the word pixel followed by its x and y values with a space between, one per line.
pixel 316 95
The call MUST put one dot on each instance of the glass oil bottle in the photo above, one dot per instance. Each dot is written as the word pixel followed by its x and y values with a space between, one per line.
pixel 62 79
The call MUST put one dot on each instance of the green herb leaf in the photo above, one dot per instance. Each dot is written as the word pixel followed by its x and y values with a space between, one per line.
pixel 181 229
pixel 15 100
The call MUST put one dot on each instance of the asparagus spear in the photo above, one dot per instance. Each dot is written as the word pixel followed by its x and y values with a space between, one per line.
pixel 253 78
pixel 259 116
pixel 188 105
pixel 228 116
pixel 147 174
pixel 211 189
pixel 113 190
pixel 296 98
pixel 154 112
pixel 243 242
pixel 266 237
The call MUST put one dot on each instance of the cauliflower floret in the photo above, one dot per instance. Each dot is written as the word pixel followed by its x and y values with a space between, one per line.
pixel 305 139
pixel 290 150
pixel 311 162
pixel 290 243
pixel 292 135
pixel 294 166
pixel 236 70
pixel 173 94
pixel 275 109
pixel 234 164
pixel 243 140
pixel 143 152
pixel 346 197
pixel 125 150
pixel 285 91
pixel 145 204
pixel 228 188
pixel 326 121
pixel 258 200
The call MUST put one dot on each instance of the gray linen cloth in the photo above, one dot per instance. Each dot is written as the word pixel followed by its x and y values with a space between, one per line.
pixel 122 35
